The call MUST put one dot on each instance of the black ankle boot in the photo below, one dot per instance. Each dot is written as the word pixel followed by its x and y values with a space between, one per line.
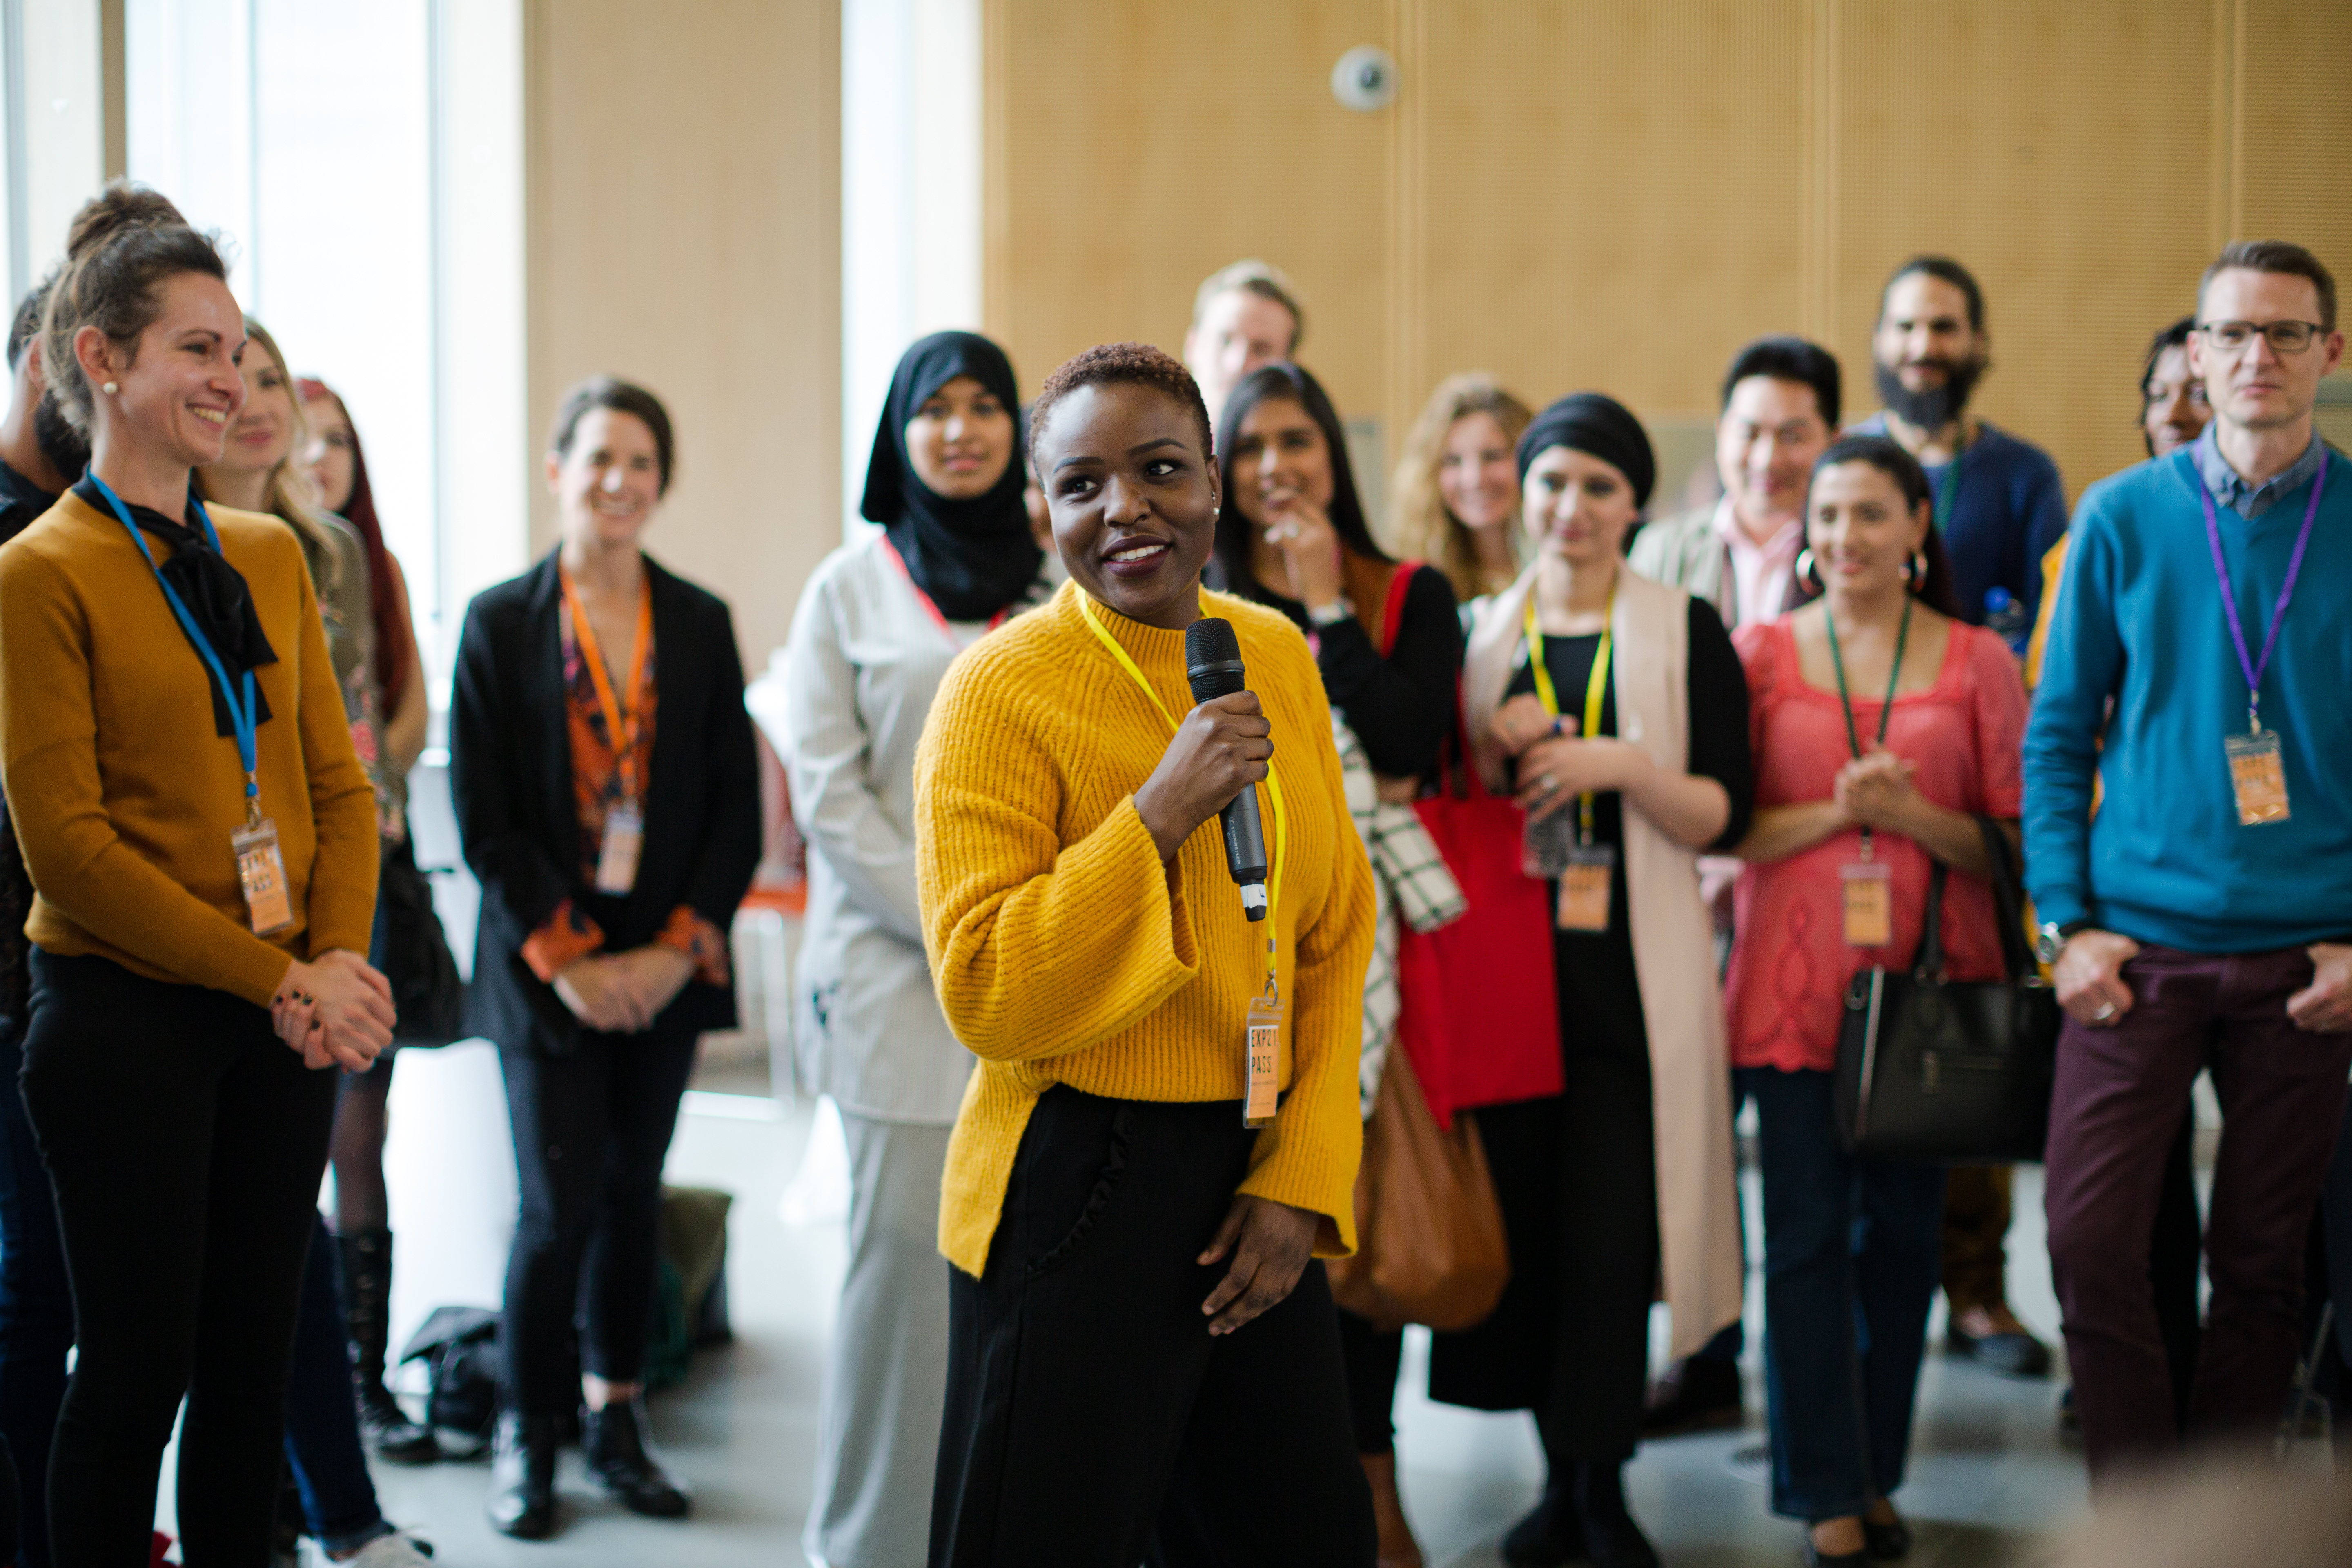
pixel 613 1441
pixel 367 1314
pixel 522 1476
pixel 1611 1538
pixel 1550 1537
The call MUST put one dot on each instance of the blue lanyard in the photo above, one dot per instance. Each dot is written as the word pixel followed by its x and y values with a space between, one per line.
pixel 241 713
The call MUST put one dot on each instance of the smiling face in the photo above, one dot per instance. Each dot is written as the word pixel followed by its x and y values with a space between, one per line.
pixel 1765 443
pixel 179 389
pixel 1133 499
pixel 2173 410
pixel 331 456
pixel 961 439
pixel 264 430
pixel 1477 476
pixel 2258 388
pixel 1924 335
pixel 1279 452
pixel 1240 331
pixel 1578 506
pixel 608 481
pixel 1861 531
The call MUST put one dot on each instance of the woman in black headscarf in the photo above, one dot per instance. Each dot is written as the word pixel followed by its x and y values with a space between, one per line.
pixel 879 624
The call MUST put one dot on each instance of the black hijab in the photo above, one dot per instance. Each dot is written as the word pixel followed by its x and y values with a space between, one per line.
pixel 972 557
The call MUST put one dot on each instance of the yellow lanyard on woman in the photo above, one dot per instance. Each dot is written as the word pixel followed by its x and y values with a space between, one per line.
pixel 1595 689
pixel 1272 778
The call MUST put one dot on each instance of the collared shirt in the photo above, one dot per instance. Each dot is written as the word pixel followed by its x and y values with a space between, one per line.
pixel 2231 490
pixel 1760 574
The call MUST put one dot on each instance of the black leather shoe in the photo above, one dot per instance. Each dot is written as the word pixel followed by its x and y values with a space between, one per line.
pixel 2011 1354
pixel 1816 1558
pixel 1611 1538
pixel 522 1476
pixel 614 1440
pixel 1885 1542
pixel 1550 1537
pixel 1698 1394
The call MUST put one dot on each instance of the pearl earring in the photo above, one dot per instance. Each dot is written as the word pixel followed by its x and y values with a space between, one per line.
pixel 109 389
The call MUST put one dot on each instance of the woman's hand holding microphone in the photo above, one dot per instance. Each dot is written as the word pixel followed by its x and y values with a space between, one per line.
pixel 334 1011
pixel 1222 748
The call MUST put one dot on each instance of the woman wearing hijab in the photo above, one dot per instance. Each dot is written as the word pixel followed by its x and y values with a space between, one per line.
pixel 1617 710
pixel 877 628
pixel 607 791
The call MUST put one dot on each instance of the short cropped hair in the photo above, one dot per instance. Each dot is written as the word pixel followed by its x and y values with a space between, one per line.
pixel 2281 256
pixel 1262 279
pixel 1788 358
pixel 622 397
pixel 1123 365
pixel 26 326
pixel 1949 271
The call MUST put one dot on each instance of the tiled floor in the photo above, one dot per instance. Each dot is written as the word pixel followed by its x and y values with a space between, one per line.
pixel 1987 1472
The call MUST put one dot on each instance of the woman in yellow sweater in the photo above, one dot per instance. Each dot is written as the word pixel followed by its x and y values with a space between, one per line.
pixel 1142 1353
pixel 203 849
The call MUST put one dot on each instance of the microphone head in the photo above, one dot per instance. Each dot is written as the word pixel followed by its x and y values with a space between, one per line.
pixel 1212 658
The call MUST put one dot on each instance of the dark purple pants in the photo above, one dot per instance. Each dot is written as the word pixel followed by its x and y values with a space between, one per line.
pixel 2117 1107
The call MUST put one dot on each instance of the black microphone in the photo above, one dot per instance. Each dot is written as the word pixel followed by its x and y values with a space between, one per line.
pixel 1213 663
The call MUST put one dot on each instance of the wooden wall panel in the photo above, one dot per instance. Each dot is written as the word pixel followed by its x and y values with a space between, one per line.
pixel 2293 128
pixel 1136 149
pixel 685 178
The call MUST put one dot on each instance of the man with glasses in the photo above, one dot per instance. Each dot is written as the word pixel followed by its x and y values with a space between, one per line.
pixel 2200 918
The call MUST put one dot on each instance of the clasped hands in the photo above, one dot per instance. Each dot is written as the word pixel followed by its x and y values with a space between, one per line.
pixel 623 992
pixel 334 1011
pixel 1556 764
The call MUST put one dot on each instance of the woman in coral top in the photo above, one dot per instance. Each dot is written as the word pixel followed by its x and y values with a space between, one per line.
pixel 1883 727
pixel 1143 1357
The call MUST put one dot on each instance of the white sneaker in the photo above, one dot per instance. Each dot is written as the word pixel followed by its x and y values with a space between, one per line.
pixel 398 1549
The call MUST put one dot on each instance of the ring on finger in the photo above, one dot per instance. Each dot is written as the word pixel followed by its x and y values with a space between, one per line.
pixel 1547 784
pixel 2106 1011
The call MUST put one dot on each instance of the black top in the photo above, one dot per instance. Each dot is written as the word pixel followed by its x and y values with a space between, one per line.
pixel 1401 706
pixel 21 500
pixel 510 776
pixel 1717 697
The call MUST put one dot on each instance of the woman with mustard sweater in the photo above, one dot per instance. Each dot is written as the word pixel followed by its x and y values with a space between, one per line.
pixel 203 849
pixel 1143 1356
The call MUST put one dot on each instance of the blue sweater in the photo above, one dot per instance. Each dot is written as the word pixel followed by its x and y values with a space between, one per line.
pixel 2139 620
pixel 2011 509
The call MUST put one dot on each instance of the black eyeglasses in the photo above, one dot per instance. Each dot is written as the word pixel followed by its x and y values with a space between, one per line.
pixel 2287 337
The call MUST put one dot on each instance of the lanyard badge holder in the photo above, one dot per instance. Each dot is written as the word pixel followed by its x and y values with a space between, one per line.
pixel 1586 870
pixel 1262 1037
pixel 2257 759
pixel 260 863
pixel 1867 884
pixel 624 820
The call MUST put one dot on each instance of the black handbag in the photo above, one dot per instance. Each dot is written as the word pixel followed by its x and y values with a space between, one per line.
pixel 1951 1072
pixel 412 951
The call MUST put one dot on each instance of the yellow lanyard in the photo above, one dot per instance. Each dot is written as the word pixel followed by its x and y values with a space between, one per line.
pixel 1595 689
pixel 1272 778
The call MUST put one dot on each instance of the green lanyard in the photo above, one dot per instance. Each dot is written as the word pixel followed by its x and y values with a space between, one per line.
pixel 1950 486
pixel 1837 662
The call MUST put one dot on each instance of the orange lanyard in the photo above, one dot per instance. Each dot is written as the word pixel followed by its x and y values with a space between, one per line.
pixel 620 723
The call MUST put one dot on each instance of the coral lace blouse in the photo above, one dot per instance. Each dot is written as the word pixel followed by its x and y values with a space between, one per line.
pixel 1784 995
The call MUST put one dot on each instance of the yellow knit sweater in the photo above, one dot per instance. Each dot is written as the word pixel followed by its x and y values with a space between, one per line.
pixel 1064 952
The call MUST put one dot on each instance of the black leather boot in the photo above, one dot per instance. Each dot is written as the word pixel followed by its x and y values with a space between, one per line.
pixel 613 1441
pixel 367 1315
pixel 1611 1538
pixel 522 1476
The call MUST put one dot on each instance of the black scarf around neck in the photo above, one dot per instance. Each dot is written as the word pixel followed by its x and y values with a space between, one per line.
pixel 973 557
pixel 216 596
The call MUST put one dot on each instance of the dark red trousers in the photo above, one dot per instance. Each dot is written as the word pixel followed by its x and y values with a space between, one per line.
pixel 2120 1094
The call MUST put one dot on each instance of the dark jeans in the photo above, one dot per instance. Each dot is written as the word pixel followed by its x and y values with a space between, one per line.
pixel 1850 1252
pixel 590 1131
pixel 1092 1421
pixel 1373 1360
pixel 322 1418
pixel 2115 1111
pixel 186 1142
pixel 37 1322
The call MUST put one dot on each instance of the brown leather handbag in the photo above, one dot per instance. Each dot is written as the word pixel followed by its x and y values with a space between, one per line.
pixel 1430 1247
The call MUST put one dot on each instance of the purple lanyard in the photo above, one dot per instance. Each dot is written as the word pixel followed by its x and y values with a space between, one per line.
pixel 2253 667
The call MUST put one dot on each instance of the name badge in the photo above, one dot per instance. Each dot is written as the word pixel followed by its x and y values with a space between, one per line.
pixel 1263 1058
pixel 1869 889
pixel 617 860
pixel 1585 887
pixel 261 870
pixel 2258 774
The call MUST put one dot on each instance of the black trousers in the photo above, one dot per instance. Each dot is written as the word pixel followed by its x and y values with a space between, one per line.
pixel 186 1143
pixel 1576 1176
pixel 590 1131
pixel 1091 1420
pixel 1374 1358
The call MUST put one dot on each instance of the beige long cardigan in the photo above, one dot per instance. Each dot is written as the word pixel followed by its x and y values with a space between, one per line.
pixel 1673 941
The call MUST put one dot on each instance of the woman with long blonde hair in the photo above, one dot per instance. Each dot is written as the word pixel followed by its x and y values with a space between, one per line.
pixel 1457 485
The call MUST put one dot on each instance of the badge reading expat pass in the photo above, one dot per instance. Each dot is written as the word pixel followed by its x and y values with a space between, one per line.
pixel 2258 774
pixel 2257 763
pixel 1584 887
pixel 1869 888
pixel 616 857
pixel 1262 1097
pixel 261 870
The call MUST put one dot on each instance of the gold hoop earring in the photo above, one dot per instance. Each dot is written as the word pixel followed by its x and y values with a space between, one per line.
pixel 1805 573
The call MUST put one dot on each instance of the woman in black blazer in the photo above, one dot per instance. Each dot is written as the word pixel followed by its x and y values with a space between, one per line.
pixel 609 801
